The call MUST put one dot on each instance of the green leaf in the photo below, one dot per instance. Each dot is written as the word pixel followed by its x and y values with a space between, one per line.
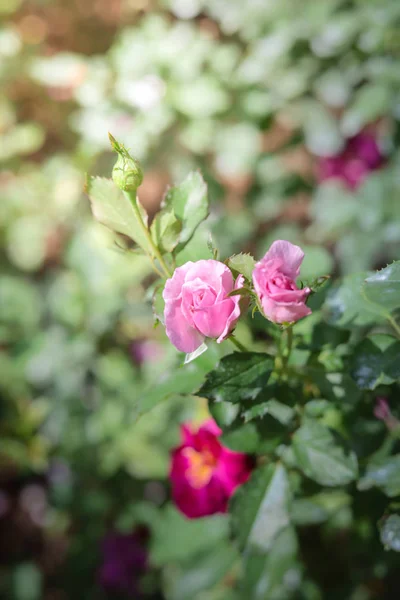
pixel 20 308
pixel 243 291
pixel 376 361
pixel 113 208
pixel 317 408
pixel 242 263
pixel 224 413
pixel 333 210
pixel 245 438
pixel 239 376
pixel 205 571
pixel 27 582
pixel 383 474
pixel 321 458
pixel 203 98
pixel 318 508
pixel 281 412
pixel 213 249
pixel 180 381
pixel 390 533
pixel 189 202
pixel 335 386
pixel 371 101
pixel 158 304
pixel 383 288
pixel 306 511
pixel 317 263
pixel 260 508
pixel 321 129
pixel 176 538
pixel 165 230
pixel 346 307
pixel 271 574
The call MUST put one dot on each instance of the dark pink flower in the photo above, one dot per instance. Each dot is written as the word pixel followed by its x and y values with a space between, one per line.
pixel 124 562
pixel 360 156
pixel 204 474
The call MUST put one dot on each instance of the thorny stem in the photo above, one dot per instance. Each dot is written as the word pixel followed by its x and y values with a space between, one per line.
pixel 133 198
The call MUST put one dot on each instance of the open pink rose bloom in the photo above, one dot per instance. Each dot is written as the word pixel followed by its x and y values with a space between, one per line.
pixel 274 279
pixel 204 474
pixel 197 305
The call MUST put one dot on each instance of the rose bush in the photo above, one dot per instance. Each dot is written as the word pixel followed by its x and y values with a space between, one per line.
pixel 291 111
pixel 283 451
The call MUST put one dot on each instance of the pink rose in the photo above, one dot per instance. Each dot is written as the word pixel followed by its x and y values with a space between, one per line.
pixel 274 279
pixel 197 305
pixel 204 474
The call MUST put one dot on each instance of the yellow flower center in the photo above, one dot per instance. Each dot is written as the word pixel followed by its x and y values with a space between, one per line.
pixel 201 466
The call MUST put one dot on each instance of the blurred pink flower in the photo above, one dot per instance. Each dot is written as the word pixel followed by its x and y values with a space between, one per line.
pixel 382 410
pixel 143 351
pixel 274 279
pixel 360 156
pixel 204 474
pixel 124 562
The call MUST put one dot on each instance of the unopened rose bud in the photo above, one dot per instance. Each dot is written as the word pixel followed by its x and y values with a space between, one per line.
pixel 382 410
pixel 127 173
pixel 383 413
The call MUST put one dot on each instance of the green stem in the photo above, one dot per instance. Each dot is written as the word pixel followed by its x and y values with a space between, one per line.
pixel 289 345
pixel 133 198
pixel 238 345
pixel 393 323
pixel 155 268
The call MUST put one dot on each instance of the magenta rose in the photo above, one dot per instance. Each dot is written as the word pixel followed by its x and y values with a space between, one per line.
pixel 204 474
pixel 197 305
pixel 360 156
pixel 274 279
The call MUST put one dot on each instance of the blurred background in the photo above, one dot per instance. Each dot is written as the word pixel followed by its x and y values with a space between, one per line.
pixel 291 110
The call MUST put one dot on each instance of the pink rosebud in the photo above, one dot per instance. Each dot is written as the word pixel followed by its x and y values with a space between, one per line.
pixel 197 305
pixel 204 474
pixel 274 279
pixel 382 410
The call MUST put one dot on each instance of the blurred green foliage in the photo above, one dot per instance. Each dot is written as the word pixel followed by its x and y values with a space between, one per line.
pixel 253 94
